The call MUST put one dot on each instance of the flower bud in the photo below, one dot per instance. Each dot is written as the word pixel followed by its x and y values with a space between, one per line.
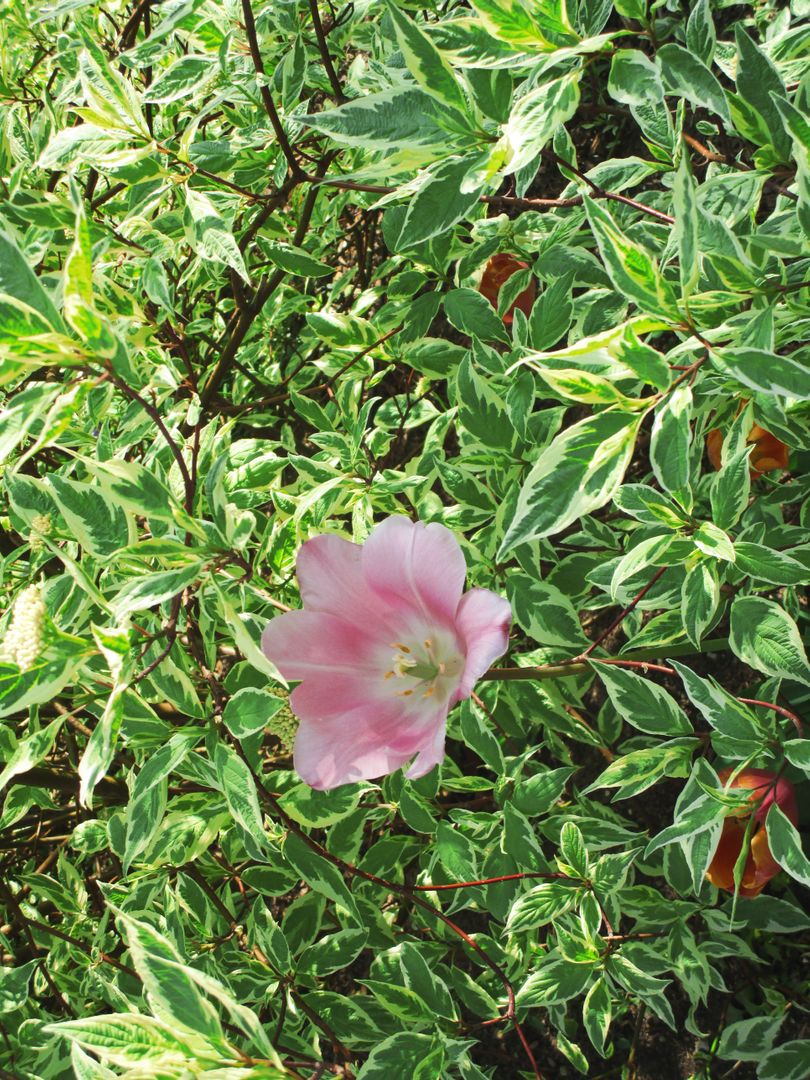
pixel 760 866
pixel 22 643
pixel 283 724
pixel 768 454
pixel 496 273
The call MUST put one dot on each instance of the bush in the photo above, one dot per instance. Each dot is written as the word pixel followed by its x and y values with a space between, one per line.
pixel 534 272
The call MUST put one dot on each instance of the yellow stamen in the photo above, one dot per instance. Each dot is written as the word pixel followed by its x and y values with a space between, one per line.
pixel 429 692
pixel 388 675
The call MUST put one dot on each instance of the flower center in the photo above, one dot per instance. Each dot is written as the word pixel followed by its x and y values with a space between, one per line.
pixel 430 667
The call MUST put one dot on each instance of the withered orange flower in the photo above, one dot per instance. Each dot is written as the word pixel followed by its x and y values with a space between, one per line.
pixel 769 453
pixel 760 865
pixel 496 273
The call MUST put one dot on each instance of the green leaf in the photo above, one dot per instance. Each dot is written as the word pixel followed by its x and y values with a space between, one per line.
pixel 544 612
pixel 551 315
pixel 798 128
pixel 670 443
pixel 632 270
pixel 18 280
pixel 97 524
pixel 392 119
pixel 576 474
pixel 722 710
pixel 597 1012
pixel 149 795
pixel 126 1039
pixel 764 371
pixel 319 874
pixel 786 845
pixel 264 931
pixel 556 981
pixel 536 116
pixel 766 564
pixel 181 79
pixel 714 542
pixel 538 793
pixel 423 981
pixel 89 142
pixel 98 753
pixel 78 300
pixel 249 711
pixel 684 203
pixel 542 904
pixel 757 83
pixel 151 589
pixel 445 195
pixel 525 24
pixel 317 809
pixel 471 313
pixel 700 598
pixel 296 261
pixel 632 978
pixel 790 1061
pixel 239 788
pixel 640 769
pixel 685 74
pixel 641 703
pixel 404 1056
pixel 482 410
pixel 427 65
pixel 573 852
pixel 634 78
pixel 172 994
pixel 209 235
pixel 765 637
pixel 701 36
pixel 14 986
pixel 748 1040
pixel 30 751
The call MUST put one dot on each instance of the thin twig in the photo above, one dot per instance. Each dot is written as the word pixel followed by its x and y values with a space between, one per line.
pixel 267 98
pixel 406 894
pixel 323 48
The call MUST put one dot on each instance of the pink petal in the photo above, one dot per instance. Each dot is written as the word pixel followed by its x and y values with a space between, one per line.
pixel 301 643
pixel 415 568
pixel 330 578
pixel 327 764
pixel 363 742
pixel 332 694
pixel 431 756
pixel 482 620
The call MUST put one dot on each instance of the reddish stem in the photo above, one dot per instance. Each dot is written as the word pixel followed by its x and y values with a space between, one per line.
pixel 488 881
pixel 406 894
pixel 778 709
pixel 617 622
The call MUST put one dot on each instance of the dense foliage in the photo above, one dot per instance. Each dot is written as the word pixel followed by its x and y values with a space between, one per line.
pixel 536 270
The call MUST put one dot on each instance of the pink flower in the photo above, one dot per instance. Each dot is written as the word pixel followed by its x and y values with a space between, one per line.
pixel 385 645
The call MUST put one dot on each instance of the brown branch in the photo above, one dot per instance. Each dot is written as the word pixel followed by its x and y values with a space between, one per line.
pixel 323 48
pixel 154 415
pixel 710 155
pixel 267 98
pixel 406 894
pixel 244 319
pixel 617 622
